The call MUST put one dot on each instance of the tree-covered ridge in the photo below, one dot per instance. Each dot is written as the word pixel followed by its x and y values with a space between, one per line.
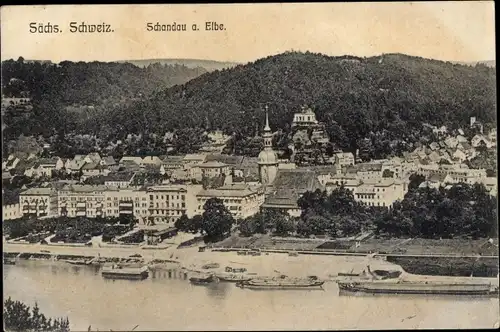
pixel 89 83
pixel 354 96
pixel 377 105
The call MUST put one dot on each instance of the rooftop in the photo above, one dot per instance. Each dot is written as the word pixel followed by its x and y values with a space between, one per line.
pixel 227 159
pixel 120 176
pixel 87 188
pixel 38 191
pixel 212 164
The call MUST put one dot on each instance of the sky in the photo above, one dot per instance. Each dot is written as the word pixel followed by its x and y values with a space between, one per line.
pixel 451 31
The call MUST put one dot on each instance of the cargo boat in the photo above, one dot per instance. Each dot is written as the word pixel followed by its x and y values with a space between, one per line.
pixel 131 273
pixel 204 280
pixel 417 287
pixel 282 282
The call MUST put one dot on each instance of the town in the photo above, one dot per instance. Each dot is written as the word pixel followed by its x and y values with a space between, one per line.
pixel 158 190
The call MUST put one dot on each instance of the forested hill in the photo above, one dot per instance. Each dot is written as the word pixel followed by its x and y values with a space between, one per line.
pixel 391 92
pixel 383 99
pixel 92 83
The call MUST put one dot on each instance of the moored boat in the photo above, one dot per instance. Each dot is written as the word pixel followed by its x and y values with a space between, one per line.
pixel 211 266
pixel 78 261
pixel 233 277
pixel 204 280
pixel 417 287
pixel 9 261
pixel 116 271
pixel 282 282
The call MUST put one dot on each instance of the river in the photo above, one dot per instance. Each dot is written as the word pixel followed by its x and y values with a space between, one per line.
pixel 163 303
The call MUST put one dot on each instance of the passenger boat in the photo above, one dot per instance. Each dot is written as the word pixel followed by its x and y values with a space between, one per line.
pixel 204 280
pixel 242 253
pixel 282 282
pixel 116 271
pixel 417 287
pixel 293 254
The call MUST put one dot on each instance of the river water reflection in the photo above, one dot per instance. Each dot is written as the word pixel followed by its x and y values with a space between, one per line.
pixel 163 303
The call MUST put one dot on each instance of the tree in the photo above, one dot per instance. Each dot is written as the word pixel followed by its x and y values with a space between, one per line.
pixel 387 173
pixel 248 226
pixel 183 224
pixel 415 181
pixel 18 317
pixel 285 227
pixel 216 220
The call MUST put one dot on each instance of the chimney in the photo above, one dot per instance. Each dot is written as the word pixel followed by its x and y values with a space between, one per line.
pixel 472 120
pixel 228 180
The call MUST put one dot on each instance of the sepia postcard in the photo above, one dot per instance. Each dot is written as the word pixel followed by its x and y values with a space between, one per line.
pixel 272 166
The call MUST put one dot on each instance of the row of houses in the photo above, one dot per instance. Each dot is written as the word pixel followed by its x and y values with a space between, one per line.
pixel 162 204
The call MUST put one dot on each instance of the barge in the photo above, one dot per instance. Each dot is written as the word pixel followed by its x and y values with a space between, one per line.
pixel 119 272
pixel 282 282
pixel 418 287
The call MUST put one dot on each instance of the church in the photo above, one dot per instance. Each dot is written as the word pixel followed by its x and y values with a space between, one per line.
pixel 283 187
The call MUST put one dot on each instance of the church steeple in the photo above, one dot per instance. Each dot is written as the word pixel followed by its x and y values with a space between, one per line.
pixel 267 128
pixel 268 160
pixel 267 134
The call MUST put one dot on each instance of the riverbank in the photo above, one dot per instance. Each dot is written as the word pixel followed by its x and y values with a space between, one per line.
pixel 410 246
pixel 267 264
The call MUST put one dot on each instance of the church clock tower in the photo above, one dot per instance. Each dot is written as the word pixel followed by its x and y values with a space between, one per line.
pixel 268 160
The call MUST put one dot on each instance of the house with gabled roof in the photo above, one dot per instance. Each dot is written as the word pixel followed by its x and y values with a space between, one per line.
pixel 93 157
pixel 94 169
pixel 434 156
pixel 434 146
pixel 10 163
pixel 151 160
pixel 461 139
pixel 478 140
pixel 459 155
pixel 451 142
pixel 288 187
pixel 137 160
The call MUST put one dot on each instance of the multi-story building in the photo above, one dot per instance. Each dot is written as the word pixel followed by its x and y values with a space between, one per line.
pixel 344 158
pixel 213 169
pixel 241 200
pixel 456 173
pixel 82 201
pixel 119 180
pixel 11 211
pixel 305 117
pixel 366 171
pixel 38 202
pixel 123 202
pixel 167 203
pixel 374 192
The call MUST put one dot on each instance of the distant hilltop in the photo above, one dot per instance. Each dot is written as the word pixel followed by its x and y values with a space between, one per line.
pixel 488 63
pixel 209 65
